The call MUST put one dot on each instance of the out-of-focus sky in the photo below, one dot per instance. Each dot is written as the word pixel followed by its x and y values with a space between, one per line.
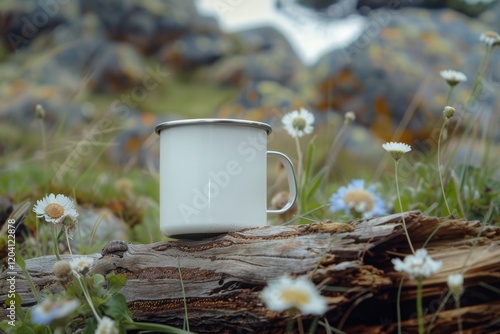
pixel 310 37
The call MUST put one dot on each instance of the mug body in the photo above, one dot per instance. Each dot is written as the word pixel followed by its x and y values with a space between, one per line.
pixel 212 176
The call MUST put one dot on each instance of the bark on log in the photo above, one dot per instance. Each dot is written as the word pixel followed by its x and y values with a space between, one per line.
pixel 224 275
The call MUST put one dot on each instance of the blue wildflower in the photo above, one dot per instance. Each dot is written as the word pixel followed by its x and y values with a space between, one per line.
pixel 358 201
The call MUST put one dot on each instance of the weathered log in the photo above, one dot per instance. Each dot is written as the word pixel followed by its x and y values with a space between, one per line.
pixel 351 263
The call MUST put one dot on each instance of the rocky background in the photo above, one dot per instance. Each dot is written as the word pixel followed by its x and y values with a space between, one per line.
pixel 71 55
pixel 106 72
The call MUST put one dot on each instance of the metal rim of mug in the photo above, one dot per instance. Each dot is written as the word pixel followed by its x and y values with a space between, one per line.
pixel 212 121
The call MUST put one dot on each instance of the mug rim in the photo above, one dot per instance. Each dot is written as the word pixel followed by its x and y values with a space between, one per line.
pixel 212 121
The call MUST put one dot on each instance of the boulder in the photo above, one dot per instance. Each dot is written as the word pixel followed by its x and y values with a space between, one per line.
pixel 97 224
pixel 136 144
pixel 21 22
pixel 148 25
pixel 391 73
pixel 193 50
pixel 492 17
pixel 263 101
pixel 262 54
pixel 364 7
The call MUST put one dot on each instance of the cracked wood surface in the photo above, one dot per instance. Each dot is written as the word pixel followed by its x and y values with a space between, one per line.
pixel 223 275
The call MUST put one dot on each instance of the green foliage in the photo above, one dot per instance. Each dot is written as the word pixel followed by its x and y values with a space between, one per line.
pixel 310 199
pixel 116 308
pixel 471 199
pixel 470 191
pixel 480 192
pixel 104 294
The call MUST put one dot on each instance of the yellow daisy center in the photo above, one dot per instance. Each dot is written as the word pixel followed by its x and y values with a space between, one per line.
pixel 48 307
pixel 359 199
pixel 295 297
pixel 491 34
pixel 299 123
pixel 54 210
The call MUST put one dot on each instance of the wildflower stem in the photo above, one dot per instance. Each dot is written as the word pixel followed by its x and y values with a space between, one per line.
pixel 439 165
pixel 440 307
pixel 476 88
pixel 420 312
pixel 398 304
pixel 20 262
pixel 56 242
pixel 484 224
pixel 186 318
pixel 289 324
pixel 299 157
pixel 87 297
pixel 37 238
pixel 157 328
pixel 396 162
pixel 300 325
pixel 459 320
pixel 313 326
pixel 468 129
pixel 67 240
pixel 331 152
pixel 448 96
pixel 306 214
pixel 432 234
pixel 44 145
pixel 300 174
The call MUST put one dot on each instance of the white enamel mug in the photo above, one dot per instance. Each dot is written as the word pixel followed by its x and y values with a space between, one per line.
pixel 213 176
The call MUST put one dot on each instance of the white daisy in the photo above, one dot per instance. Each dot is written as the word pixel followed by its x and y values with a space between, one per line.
pixel 452 77
pixel 456 284
pixel 490 38
pixel 81 265
pixel 357 200
pixel 49 310
pixel 55 208
pixel 106 326
pixel 396 149
pixel 286 293
pixel 298 123
pixel 418 266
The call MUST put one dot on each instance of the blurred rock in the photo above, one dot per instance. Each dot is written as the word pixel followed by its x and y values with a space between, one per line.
pixel 117 67
pixel 263 54
pixel 148 25
pixel 19 105
pixel 469 7
pixel 57 73
pixel 136 145
pixel 262 101
pixel 472 8
pixel 374 4
pixel 21 22
pixel 193 50
pixel 365 6
pixel 101 66
pixel 91 47
pixel 96 225
pixel 391 73
pixel 492 17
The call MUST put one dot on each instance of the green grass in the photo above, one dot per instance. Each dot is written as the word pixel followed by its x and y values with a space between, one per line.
pixel 471 187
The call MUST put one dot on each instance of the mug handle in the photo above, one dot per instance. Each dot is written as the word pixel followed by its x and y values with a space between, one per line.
pixel 292 182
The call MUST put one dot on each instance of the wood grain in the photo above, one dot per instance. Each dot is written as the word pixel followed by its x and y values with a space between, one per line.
pixel 351 263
